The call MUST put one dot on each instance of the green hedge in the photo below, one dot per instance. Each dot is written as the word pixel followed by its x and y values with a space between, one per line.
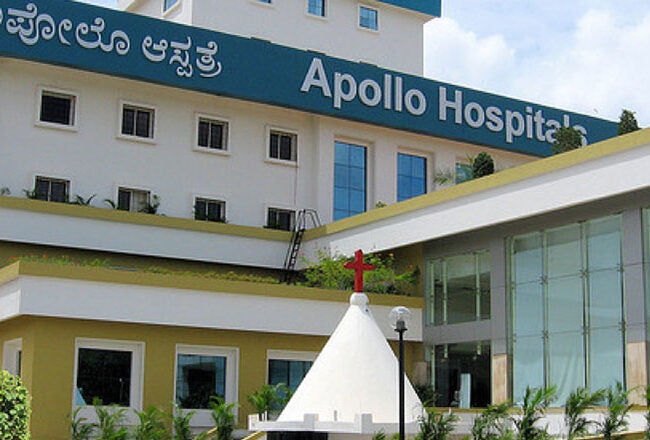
pixel 14 408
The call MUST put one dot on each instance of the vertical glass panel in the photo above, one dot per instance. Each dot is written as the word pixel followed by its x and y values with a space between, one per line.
pixel 438 293
pixel 56 109
pixel 461 288
pixel 128 121
pixel 528 306
pixel 528 365
pixel 484 283
pixel 143 123
pixel 462 374
pixel 197 378
pixel 204 131
pixel 566 362
pixel 42 189
pixel 605 299
pixel 527 258
pixel 565 304
pixel 104 375
pixel 564 255
pixel 349 180
pixel 604 243
pixel 606 358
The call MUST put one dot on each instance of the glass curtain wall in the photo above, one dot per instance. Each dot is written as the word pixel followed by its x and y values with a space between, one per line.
pixel 567 307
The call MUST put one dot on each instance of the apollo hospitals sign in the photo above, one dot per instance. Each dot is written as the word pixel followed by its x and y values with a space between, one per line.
pixel 105 41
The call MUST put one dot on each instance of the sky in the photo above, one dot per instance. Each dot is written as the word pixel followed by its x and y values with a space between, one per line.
pixel 588 56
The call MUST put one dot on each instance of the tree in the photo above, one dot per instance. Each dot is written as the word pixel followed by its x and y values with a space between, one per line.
pixel 482 165
pixel 627 122
pixel 566 139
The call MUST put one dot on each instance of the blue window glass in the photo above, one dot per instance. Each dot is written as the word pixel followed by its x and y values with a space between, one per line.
pixel 349 180
pixel 411 176
pixel 197 378
pixel 463 172
pixel 316 7
pixel 170 3
pixel 368 18
pixel 289 372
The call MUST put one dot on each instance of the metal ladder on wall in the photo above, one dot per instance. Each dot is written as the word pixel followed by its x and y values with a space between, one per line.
pixel 296 239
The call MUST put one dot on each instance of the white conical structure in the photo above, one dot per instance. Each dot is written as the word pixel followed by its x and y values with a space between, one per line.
pixel 353 382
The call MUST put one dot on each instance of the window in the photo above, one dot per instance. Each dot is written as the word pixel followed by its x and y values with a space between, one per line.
pixel 462 374
pixel 209 210
pixel 463 172
pixel 202 372
pixel 12 356
pixel 137 121
pixel 282 219
pixel 134 200
pixel 283 145
pixel 289 367
pixel 49 189
pixel 316 7
pixel 459 288
pixel 349 180
pixel 109 371
pixel 368 18
pixel 411 176
pixel 57 108
pixel 212 134
pixel 566 293
pixel 168 4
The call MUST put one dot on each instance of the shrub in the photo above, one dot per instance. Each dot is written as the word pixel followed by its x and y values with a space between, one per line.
pixel 566 139
pixel 436 426
pixel 14 408
pixel 224 417
pixel 536 400
pixel 493 423
pixel 152 425
pixel 482 165
pixel 615 419
pixel 576 404
pixel 627 122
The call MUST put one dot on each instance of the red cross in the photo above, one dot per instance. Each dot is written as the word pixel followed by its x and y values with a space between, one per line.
pixel 359 267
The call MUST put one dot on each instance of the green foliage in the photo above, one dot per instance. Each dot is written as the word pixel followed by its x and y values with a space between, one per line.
pixel 576 404
pixel 152 206
pixel 223 416
pixel 436 425
pixel 566 139
pixel 426 393
pixel 152 425
pixel 109 422
pixel 493 423
pixel 181 424
pixel 61 260
pixel 81 430
pixel 536 400
pixel 482 165
pixel 5 191
pixel 615 418
pixel 30 193
pixel 627 122
pixel 329 273
pixel 444 177
pixel 79 200
pixel 269 397
pixel 14 408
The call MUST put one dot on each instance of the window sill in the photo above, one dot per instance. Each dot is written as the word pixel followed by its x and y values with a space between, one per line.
pixel 322 18
pixel 138 139
pixel 263 4
pixel 286 163
pixel 55 126
pixel 214 151
pixel 369 30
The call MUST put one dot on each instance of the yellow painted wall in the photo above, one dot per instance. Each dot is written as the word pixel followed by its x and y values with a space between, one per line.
pixel 48 361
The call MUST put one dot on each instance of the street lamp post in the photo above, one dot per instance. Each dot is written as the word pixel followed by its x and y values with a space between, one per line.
pixel 399 318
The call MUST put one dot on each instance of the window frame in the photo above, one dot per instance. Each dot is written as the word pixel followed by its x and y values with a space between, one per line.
pixel 359 21
pixel 202 117
pixel 12 356
pixel 58 93
pixel 315 15
pixel 137 349
pixel 368 172
pixel 51 179
pixel 137 107
pixel 219 200
pixel 427 167
pixel 167 9
pixel 281 209
pixel 132 189
pixel 203 417
pixel 288 355
pixel 293 134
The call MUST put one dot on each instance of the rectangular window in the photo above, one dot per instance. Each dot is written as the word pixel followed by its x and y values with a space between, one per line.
pixel 463 172
pixel 411 176
pixel 109 372
pixel 283 145
pixel 134 200
pixel 566 293
pixel 212 134
pixel 316 7
pixel 49 189
pixel 349 180
pixel 282 219
pixel 459 288
pixel 57 108
pixel 202 372
pixel 168 4
pixel 289 372
pixel 209 210
pixel 462 374
pixel 12 354
pixel 137 121
pixel 368 18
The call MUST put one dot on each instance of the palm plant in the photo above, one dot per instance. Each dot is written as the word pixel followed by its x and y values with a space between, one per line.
pixel 576 404
pixel 80 429
pixel 436 426
pixel 223 416
pixel 181 423
pixel 615 419
pixel 152 425
pixel 536 400
pixel 263 399
pixel 493 423
pixel 109 421
pixel 83 201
